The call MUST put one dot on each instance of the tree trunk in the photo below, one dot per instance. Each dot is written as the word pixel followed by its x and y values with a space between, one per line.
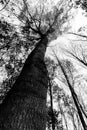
pixel 24 107
pixel 76 101
pixel 51 103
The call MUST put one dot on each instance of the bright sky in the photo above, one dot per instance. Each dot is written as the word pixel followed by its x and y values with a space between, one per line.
pixel 79 20
pixel 76 23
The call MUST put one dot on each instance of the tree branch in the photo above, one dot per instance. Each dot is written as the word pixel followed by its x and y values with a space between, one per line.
pixel 5 5
pixel 80 35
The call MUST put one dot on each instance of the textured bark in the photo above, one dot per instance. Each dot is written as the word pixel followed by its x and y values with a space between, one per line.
pixel 24 107
pixel 51 102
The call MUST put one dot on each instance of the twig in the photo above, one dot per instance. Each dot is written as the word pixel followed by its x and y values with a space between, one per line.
pixel 5 5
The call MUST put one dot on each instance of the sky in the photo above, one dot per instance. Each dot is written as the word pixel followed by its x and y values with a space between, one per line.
pixel 79 20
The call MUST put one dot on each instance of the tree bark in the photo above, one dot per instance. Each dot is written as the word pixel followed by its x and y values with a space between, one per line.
pixel 24 107
pixel 51 103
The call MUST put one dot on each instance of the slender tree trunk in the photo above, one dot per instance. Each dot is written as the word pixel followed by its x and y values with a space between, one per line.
pixel 24 107
pixel 76 101
pixel 51 103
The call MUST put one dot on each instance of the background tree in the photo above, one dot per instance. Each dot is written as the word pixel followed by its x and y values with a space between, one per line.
pixel 69 71
pixel 74 95
pixel 64 103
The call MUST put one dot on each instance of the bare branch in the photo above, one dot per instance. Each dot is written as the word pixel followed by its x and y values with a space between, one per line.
pixel 5 5
pixel 80 35
pixel 40 19
pixel 32 19
pixel 83 61
pixel 54 21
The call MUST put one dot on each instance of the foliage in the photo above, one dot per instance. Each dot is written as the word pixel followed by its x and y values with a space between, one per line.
pixel 82 3
pixel 49 118
pixel 13 52
pixel 39 18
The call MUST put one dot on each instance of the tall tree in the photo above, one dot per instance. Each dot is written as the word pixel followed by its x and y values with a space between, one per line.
pixel 74 95
pixel 24 106
pixel 51 71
